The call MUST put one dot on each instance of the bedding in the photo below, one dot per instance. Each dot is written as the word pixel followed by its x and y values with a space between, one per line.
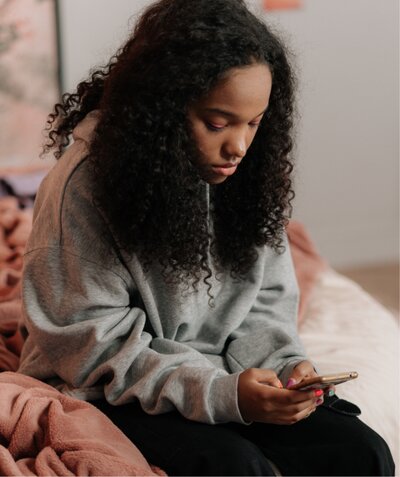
pixel 345 329
pixel 44 432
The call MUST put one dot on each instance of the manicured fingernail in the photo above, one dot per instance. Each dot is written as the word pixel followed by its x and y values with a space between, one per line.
pixel 291 383
pixel 319 401
pixel 331 393
pixel 318 392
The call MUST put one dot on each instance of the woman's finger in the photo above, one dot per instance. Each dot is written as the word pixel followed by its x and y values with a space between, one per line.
pixel 298 407
pixel 293 397
pixel 267 376
pixel 308 412
pixel 330 390
pixel 293 418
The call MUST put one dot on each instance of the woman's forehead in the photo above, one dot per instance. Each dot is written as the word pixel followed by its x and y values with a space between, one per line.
pixel 244 91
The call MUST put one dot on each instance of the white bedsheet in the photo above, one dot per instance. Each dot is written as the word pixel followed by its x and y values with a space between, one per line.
pixel 345 329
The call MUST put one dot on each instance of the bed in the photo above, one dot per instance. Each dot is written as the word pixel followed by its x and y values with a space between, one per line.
pixel 43 432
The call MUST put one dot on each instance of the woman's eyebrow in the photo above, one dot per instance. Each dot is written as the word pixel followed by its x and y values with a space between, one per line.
pixel 229 114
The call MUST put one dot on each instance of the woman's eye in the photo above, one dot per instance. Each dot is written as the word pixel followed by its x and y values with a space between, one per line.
pixel 214 127
pixel 254 125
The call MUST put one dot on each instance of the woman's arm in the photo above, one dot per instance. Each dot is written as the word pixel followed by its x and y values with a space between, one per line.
pixel 268 336
pixel 267 349
pixel 80 319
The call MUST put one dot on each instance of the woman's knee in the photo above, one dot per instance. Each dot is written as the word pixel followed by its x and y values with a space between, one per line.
pixel 374 453
pixel 381 454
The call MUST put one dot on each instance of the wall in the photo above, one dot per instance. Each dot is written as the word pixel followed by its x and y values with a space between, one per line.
pixel 91 31
pixel 347 54
pixel 347 148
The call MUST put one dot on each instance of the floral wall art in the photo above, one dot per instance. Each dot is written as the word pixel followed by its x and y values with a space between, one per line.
pixel 29 84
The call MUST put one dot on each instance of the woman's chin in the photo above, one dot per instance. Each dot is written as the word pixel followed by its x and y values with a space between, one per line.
pixel 216 180
pixel 213 179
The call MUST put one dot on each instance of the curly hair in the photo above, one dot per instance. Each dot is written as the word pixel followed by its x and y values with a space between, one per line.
pixel 142 148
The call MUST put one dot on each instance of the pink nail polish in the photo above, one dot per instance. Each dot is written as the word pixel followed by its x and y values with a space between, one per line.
pixel 291 382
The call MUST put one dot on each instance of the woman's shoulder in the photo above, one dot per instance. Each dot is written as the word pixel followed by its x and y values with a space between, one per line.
pixel 64 211
pixel 72 167
pixel 71 171
pixel 68 173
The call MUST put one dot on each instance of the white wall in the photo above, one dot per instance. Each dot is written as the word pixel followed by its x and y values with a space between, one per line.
pixel 348 147
pixel 91 31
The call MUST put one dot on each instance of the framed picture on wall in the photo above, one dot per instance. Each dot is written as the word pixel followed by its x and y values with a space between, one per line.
pixel 29 82
pixel 281 4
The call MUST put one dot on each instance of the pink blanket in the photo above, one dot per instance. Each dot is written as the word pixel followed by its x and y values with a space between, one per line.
pixel 308 263
pixel 15 226
pixel 43 432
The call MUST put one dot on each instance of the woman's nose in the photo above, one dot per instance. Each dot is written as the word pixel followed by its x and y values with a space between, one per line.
pixel 235 147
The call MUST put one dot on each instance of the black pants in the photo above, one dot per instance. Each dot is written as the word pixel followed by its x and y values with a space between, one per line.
pixel 329 442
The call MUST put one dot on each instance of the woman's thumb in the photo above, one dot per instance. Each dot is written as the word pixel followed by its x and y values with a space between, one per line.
pixel 267 376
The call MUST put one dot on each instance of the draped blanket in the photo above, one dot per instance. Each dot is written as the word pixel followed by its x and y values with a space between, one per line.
pixel 44 432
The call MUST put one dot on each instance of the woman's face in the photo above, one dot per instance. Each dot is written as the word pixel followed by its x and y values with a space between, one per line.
pixel 225 122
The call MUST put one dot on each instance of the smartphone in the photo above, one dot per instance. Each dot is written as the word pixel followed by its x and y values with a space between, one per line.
pixel 322 382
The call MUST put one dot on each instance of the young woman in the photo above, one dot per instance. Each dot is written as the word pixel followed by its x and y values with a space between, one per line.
pixel 158 283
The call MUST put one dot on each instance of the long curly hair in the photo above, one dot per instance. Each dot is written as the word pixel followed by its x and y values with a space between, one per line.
pixel 142 151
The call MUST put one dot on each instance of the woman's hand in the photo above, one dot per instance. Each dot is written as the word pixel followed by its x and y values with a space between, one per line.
pixel 303 370
pixel 262 398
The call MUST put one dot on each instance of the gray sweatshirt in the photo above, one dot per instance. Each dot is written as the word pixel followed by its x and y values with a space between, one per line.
pixel 98 326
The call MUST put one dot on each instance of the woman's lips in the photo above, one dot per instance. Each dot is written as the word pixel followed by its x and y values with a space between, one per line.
pixel 226 170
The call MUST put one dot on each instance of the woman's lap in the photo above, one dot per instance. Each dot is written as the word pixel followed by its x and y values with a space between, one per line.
pixel 327 443
pixel 183 447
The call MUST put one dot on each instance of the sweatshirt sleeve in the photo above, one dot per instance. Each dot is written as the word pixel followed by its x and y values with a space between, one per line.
pixel 268 336
pixel 81 321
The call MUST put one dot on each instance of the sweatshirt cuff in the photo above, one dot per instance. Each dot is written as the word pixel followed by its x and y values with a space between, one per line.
pixel 287 370
pixel 224 394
